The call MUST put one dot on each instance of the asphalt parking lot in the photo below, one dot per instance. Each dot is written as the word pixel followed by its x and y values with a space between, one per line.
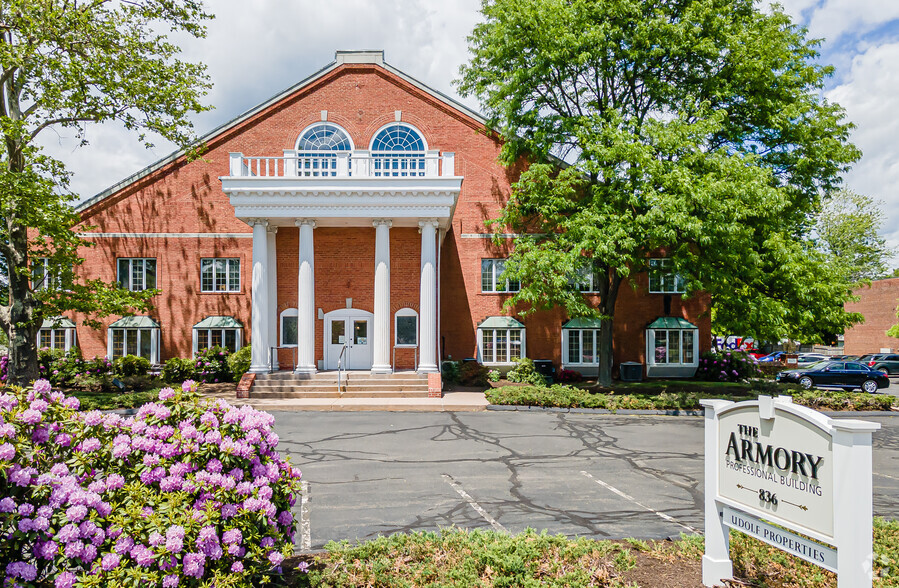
pixel 600 476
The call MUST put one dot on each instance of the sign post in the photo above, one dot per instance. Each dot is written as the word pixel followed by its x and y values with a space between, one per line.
pixel 773 467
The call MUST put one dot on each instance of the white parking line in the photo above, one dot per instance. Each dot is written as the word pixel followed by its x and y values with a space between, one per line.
pixel 661 515
pixel 305 527
pixel 885 476
pixel 471 502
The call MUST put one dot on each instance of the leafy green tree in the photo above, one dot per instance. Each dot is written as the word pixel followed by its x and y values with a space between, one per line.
pixel 66 64
pixel 847 231
pixel 691 129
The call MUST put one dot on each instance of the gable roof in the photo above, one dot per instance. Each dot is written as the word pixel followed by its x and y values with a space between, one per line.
pixel 340 58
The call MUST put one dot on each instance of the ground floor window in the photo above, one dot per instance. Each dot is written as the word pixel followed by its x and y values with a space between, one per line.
pixel 289 328
pixel 134 335
pixel 54 339
pixel 581 346
pixel 501 345
pixel 218 331
pixel 406 328
pixel 674 346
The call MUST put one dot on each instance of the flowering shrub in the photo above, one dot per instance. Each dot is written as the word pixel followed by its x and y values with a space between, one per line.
pixel 569 376
pixel 69 369
pixel 727 366
pixel 185 492
pixel 4 367
pixel 212 365
pixel 131 365
pixel 494 375
pixel 178 369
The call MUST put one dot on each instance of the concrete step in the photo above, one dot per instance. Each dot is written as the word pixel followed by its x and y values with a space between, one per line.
pixel 385 395
pixel 352 375
pixel 287 387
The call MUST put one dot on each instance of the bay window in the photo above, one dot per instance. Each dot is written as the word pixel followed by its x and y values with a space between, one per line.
pixel 500 340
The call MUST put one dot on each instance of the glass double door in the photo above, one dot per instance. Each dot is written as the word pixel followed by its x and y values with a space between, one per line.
pixel 351 337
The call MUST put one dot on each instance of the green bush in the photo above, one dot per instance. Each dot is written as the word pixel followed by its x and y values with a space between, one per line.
pixel 239 362
pixel 494 375
pixel 524 372
pixel 727 366
pixel 473 374
pixel 131 365
pixel 67 369
pixel 178 369
pixel 450 371
pixel 211 365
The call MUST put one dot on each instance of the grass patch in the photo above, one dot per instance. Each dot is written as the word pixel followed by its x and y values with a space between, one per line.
pixel 458 558
pixel 680 395
pixel 113 400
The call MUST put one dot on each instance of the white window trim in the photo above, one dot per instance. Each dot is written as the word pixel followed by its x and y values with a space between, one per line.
pixel 405 312
pixel 507 361
pixel 328 123
pixel 565 360
pixel 131 260
pixel 495 276
pixel 228 261
pixel 68 335
pixel 651 346
pixel 288 312
pixel 678 281
pixel 238 340
pixel 424 141
pixel 141 332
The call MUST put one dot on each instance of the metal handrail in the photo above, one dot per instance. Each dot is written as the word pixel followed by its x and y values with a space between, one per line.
pixel 271 356
pixel 414 365
pixel 340 365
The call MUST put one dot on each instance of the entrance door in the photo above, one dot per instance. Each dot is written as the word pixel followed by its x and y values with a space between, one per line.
pixel 350 331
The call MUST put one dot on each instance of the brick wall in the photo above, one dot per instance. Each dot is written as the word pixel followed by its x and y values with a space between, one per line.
pixel 186 197
pixel 878 303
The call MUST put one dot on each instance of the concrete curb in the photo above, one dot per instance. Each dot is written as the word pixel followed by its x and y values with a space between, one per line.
pixel 675 412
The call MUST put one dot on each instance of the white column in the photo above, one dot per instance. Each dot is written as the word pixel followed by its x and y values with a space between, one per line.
pixel 306 300
pixel 381 322
pixel 427 330
pixel 259 299
pixel 272 279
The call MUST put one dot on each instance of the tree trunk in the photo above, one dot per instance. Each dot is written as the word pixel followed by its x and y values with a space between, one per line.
pixel 608 296
pixel 23 363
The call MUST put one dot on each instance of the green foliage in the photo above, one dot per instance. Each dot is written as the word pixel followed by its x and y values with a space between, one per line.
pixel 671 116
pixel 70 370
pixel 473 374
pixel 894 330
pixel 239 362
pixel 178 369
pixel 848 231
pixel 450 371
pixel 68 66
pixel 726 365
pixel 525 373
pixel 131 365
pixel 211 365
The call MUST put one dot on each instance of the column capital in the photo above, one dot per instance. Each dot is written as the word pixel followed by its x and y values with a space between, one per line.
pixel 272 229
pixel 382 221
pixel 423 222
pixel 305 221
pixel 257 221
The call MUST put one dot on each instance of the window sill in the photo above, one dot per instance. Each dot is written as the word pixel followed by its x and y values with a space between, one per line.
pixel 503 292
pixel 415 346
pixel 660 292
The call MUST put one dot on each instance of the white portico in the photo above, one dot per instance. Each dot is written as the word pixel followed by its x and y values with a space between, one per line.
pixel 326 183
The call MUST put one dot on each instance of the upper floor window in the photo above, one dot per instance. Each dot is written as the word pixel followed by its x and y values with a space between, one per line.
pixel 662 280
pixel 398 150
pixel 220 275
pixel 491 270
pixel 40 273
pixel 317 149
pixel 137 273
pixel 585 279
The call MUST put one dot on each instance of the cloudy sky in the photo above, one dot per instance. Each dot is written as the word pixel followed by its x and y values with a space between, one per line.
pixel 256 48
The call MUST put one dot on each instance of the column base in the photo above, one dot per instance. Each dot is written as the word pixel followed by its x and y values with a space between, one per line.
pixel 260 369
pixel 381 369
pixel 427 369
pixel 305 370
pixel 716 570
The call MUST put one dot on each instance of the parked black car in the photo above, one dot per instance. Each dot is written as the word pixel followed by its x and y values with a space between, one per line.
pixel 837 374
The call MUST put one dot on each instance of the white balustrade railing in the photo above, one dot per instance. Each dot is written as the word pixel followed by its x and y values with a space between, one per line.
pixel 341 164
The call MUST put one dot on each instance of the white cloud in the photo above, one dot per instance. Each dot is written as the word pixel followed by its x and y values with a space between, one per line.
pixel 834 18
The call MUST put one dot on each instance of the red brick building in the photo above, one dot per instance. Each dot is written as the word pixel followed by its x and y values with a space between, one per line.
pixel 877 303
pixel 347 216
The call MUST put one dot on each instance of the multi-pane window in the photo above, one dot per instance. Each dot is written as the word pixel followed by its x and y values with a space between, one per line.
pixel 137 273
pixel 132 342
pixel 406 328
pixel 674 346
pixel 491 281
pixel 398 150
pixel 42 277
pixel 501 345
pixel 208 338
pixel 220 274
pixel 52 338
pixel 582 346
pixel 317 147
pixel 584 279
pixel 662 280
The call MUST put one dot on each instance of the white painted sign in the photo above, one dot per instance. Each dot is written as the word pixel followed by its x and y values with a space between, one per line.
pixel 822 555
pixel 770 461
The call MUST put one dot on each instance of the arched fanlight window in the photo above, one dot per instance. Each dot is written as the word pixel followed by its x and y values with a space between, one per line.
pixel 317 149
pixel 398 150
